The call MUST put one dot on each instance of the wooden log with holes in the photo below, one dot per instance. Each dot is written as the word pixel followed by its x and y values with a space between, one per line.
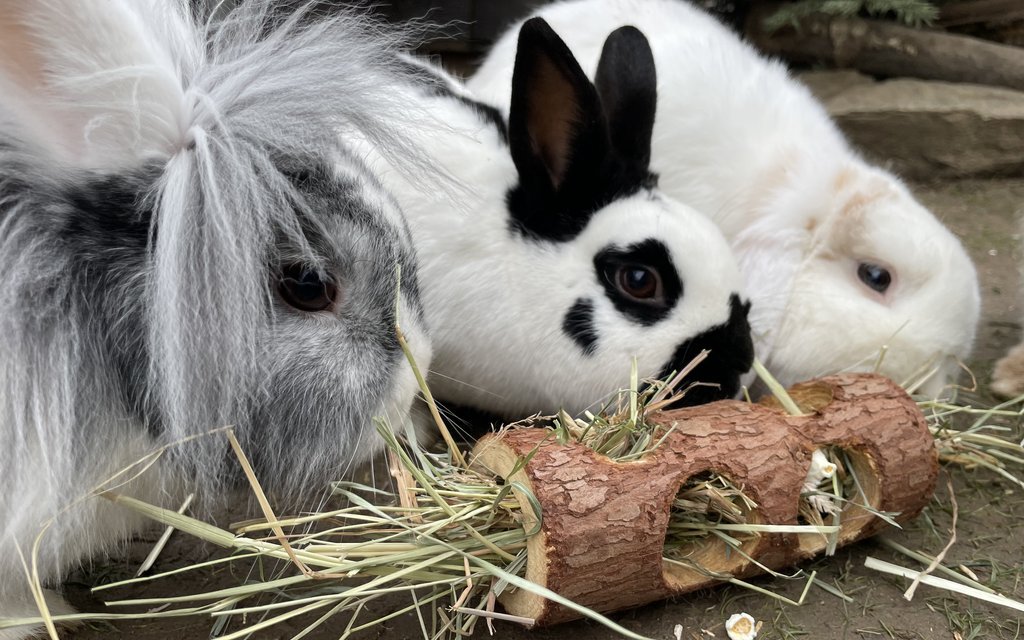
pixel 604 523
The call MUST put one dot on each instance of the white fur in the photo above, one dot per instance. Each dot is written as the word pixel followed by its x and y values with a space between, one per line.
pixel 111 73
pixel 194 120
pixel 740 141
pixel 496 301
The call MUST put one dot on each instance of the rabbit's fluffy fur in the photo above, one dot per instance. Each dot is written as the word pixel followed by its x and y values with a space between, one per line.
pixel 740 141
pixel 160 173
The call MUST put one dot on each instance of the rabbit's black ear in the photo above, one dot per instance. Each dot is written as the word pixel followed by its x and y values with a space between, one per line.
pixel 627 83
pixel 557 131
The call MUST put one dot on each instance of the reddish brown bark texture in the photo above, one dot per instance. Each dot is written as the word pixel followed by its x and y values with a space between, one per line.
pixel 603 526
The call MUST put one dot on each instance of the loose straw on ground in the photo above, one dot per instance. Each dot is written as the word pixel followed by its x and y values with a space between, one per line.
pixel 454 532
pixel 937 560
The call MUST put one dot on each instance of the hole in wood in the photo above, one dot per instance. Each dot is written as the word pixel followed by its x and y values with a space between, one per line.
pixel 704 536
pixel 847 499
pixel 810 397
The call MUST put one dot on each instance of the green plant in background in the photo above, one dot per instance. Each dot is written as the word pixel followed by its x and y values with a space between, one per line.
pixel 915 13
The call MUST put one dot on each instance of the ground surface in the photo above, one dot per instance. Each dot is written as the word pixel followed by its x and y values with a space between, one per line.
pixel 984 213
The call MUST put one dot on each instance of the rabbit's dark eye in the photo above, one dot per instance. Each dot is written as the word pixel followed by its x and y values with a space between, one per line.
pixel 876 277
pixel 305 289
pixel 639 282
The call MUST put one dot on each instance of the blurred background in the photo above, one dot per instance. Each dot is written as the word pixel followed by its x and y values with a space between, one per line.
pixel 792 29
pixel 931 89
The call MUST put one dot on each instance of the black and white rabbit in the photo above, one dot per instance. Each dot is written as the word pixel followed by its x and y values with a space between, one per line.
pixel 562 260
pixel 839 259
pixel 185 243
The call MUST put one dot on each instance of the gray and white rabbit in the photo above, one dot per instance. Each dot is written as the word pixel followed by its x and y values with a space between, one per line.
pixel 562 260
pixel 185 243
pixel 839 259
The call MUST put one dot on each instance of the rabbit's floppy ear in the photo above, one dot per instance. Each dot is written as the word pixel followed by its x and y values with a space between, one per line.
pixel 96 82
pixel 627 81
pixel 557 130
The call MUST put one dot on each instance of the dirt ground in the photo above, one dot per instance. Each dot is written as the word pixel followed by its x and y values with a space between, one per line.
pixel 984 213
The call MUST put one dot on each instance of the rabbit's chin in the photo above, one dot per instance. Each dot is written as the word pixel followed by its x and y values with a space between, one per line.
pixel 933 374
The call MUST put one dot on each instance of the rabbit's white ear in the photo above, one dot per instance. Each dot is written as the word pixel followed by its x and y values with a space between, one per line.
pixel 97 82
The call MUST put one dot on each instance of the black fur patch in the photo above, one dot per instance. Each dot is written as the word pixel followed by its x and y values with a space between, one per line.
pixel 732 354
pixel 649 253
pixel 627 82
pixel 579 325
pixel 111 215
pixel 490 115
pixel 103 221
pixel 546 216
pixel 108 224
pixel 438 86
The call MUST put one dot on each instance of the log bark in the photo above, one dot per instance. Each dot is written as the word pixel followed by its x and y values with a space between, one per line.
pixel 980 12
pixel 891 50
pixel 603 523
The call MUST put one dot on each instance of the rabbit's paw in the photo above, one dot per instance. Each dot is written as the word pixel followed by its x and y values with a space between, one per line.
pixel 1008 376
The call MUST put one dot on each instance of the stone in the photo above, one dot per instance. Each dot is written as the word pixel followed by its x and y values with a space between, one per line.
pixel 926 130
pixel 826 85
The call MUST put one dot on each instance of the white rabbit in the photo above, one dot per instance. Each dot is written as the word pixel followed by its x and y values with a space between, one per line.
pixel 185 243
pixel 838 258
pixel 562 260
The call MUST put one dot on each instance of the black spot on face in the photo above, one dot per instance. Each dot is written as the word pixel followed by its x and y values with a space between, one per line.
pixel 732 354
pixel 579 325
pixel 640 280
